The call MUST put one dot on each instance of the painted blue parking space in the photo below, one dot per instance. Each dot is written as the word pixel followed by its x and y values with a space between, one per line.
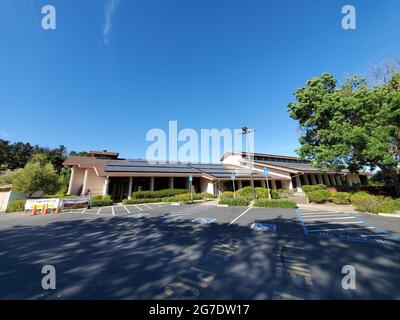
pixel 263 227
pixel 343 226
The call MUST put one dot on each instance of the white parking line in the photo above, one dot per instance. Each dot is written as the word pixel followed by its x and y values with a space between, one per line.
pixel 146 205
pixel 338 222
pixel 98 211
pixel 126 209
pixel 84 211
pixel 341 229
pixel 138 207
pixel 322 219
pixel 325 215
pixel 112 210
pixel 248 209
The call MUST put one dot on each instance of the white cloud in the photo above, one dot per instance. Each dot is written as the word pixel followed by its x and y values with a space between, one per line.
pixel 4 135
pixel 111 5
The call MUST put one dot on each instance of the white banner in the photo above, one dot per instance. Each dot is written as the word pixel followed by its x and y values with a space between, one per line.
pixel 53 203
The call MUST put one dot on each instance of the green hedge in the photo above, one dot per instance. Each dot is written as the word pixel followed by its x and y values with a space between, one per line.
pixel 235 202
pixel 319 196
pixel 138 201
pixel 362 201
pixel 158 194
pixel 284 193
pixel 227 195
pixel 247 192
pixel 16 205
pixel 340 197
pixel 101 201
pixel 275 203
pixel 317 187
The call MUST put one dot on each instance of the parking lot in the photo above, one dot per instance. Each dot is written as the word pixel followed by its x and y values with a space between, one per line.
pixel 161 251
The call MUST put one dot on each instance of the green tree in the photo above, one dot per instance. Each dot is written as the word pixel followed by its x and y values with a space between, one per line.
pixel 350 126
pixel 4 151
pixel 36 176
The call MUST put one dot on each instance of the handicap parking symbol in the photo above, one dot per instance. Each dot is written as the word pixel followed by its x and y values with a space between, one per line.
pixel 263 227
pixel 202 220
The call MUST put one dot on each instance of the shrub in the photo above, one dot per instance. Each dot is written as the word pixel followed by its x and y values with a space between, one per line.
pixel 306 189
pixel 275 203
pixel 206 195
pixel 227 195
pixel 247 192
pixel 158 194
pixel 363 201
pixel 16 205
pixel 235 202
pixel 101 201
pixel 340 197
pixel 137 201
pixel 186 198
pixel 285 193
pixel 274 194
pixel 319 196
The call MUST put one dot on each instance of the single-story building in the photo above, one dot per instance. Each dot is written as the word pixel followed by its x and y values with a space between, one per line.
pixel 103 172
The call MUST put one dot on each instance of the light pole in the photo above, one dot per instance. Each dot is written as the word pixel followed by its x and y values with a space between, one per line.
pixel 245 132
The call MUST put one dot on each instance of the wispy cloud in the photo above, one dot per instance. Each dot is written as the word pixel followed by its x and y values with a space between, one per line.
pixel 4 135
pixel 111 5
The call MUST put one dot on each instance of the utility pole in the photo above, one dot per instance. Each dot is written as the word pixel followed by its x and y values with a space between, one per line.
pixel 245 132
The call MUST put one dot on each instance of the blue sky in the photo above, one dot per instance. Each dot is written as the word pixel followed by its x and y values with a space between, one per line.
pixel 110 72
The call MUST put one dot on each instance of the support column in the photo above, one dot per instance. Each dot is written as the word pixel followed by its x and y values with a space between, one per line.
pixel 263 184
pixel 333 179
pixel 130 188
pixel 151 183
pixel 320 181
pixel 273 184
pixel 105 188
pixel 240 186
pixel 306 179
pixel 349 181
pixel 298 183
pixel 187 184
pixel 71 180
pixel 84 187
pixel 327 182
pixel 171 182
pixel 290 184
pixel 313 181
pixel 338 181
pixel 357 178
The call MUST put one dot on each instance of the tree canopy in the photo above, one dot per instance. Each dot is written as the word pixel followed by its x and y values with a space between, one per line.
pixel 350 125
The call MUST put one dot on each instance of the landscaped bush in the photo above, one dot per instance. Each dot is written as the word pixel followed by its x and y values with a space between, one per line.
pixel 227 195
pixel 274 194
pixel 186 198
pixel 363 201
pixel 235 202
pixel 206 195
pixel 247 192
pixel 16 205
pixel 317 187
pixel 340 197
pixel 275 203
pixel 101 201
pixel 158 194
pixel 137 201
pixel 284 193
pixel 319 196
